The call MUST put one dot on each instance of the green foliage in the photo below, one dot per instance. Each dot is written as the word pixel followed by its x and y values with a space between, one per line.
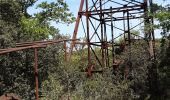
pixel 33 29
pixel 59 79
pixel 5 34
pixel 10 12
pixel 55 11
pixel 51 88
pixel 106 86
pixel 162 14
pixel 16 25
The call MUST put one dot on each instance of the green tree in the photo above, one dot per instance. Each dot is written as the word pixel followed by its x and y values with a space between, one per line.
pixel 17 25
pixel 163 16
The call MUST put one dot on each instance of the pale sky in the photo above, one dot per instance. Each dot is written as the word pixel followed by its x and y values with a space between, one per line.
pixel 74 6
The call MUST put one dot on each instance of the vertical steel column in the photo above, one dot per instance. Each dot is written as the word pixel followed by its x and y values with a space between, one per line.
pixel 88 34
pixel 129 34
pixel 113 50
pixel 124 27
pixel 102 37
pixel 106 45
pixel 65 50
pixel 36 71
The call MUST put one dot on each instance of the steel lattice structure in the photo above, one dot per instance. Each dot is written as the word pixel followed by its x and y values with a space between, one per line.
pixel 106 13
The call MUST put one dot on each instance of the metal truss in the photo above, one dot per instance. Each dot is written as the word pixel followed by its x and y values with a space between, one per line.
pixel 105 13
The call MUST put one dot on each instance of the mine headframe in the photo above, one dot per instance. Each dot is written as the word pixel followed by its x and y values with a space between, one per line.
pixel 100 19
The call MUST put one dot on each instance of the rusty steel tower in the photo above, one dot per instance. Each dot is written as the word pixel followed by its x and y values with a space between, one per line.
pixel 103 21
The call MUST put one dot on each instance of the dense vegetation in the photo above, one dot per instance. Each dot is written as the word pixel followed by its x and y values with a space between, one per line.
pixel 61 80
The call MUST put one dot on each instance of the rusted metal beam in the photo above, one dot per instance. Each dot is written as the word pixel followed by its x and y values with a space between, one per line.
pixel 77 25
pixel 4 51
pixel 121 18
pixel 44 42
pixel 30 45
pixel 36 72
pixel 115 10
